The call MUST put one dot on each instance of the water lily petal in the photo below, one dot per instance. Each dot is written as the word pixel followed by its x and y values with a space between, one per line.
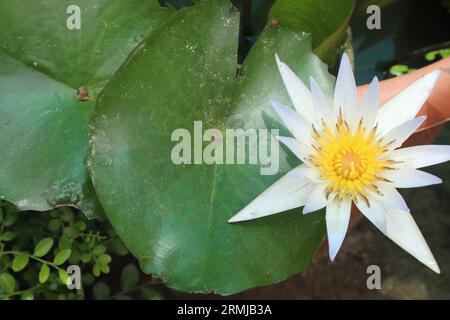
pixel 287 193
pixel 406 104
pixel 421 156
pixel 411 178
pixel 403 230
pixel 370 104
pixel 317 199
pixel 390 196
pixel 375 212
pixel 297 148
pixel 298 126
pixel 337 218
pixel 399 134
pixel 297 90
pixel 304 171
pixel 345 91
pixel 321 103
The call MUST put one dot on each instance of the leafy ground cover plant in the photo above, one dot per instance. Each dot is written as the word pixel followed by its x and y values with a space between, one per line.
pixel 35 251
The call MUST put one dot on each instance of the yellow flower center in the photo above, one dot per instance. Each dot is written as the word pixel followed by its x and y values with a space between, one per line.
pixel 350 161
pixel 349 164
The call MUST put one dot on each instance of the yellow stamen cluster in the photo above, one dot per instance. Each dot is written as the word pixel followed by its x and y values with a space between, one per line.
pixel 350 161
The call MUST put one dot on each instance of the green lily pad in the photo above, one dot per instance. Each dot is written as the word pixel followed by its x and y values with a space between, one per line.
pixel 326 20
pixel 43 63
pixel 173 218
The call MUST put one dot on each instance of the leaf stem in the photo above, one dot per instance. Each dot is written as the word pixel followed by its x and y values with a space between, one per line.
pixel 12 294
pixel 11 252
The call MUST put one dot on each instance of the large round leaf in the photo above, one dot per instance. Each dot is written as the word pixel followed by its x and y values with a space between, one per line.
pixel 43 123
pixel 173 218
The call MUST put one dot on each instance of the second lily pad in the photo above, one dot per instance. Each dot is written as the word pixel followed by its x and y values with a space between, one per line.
pixel 173 218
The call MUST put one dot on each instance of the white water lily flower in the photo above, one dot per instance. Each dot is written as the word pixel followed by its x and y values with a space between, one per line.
pixel 350 154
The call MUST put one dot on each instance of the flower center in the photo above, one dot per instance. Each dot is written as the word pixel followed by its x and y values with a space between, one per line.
pixel 348 165
pixel 350 161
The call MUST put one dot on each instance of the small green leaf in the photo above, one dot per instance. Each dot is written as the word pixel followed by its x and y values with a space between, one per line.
pixel 71 232
pixel 75 257
pixel 7 282
pixel 80 225
pixel 430 56
pixel 11 217
pixel 398 69
pixel 64 243
pixel 53 285
pixel 129 277
pixel 104 268
pixel 5 261
pixel 148 293
pixel 20 262
pixel 99 249
pixel 7 236
pixel 88 279
pixel 445 53
pixel 62 257
pixel 86 257
pixel 83 247
pixel 27 295
pixel 63 276
pixel 44 273
pixel 66 215
pixel 1 214
pixel 96 269
pixel 104 259
pixel 43 247
pixel 54 224
pixel 101 291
